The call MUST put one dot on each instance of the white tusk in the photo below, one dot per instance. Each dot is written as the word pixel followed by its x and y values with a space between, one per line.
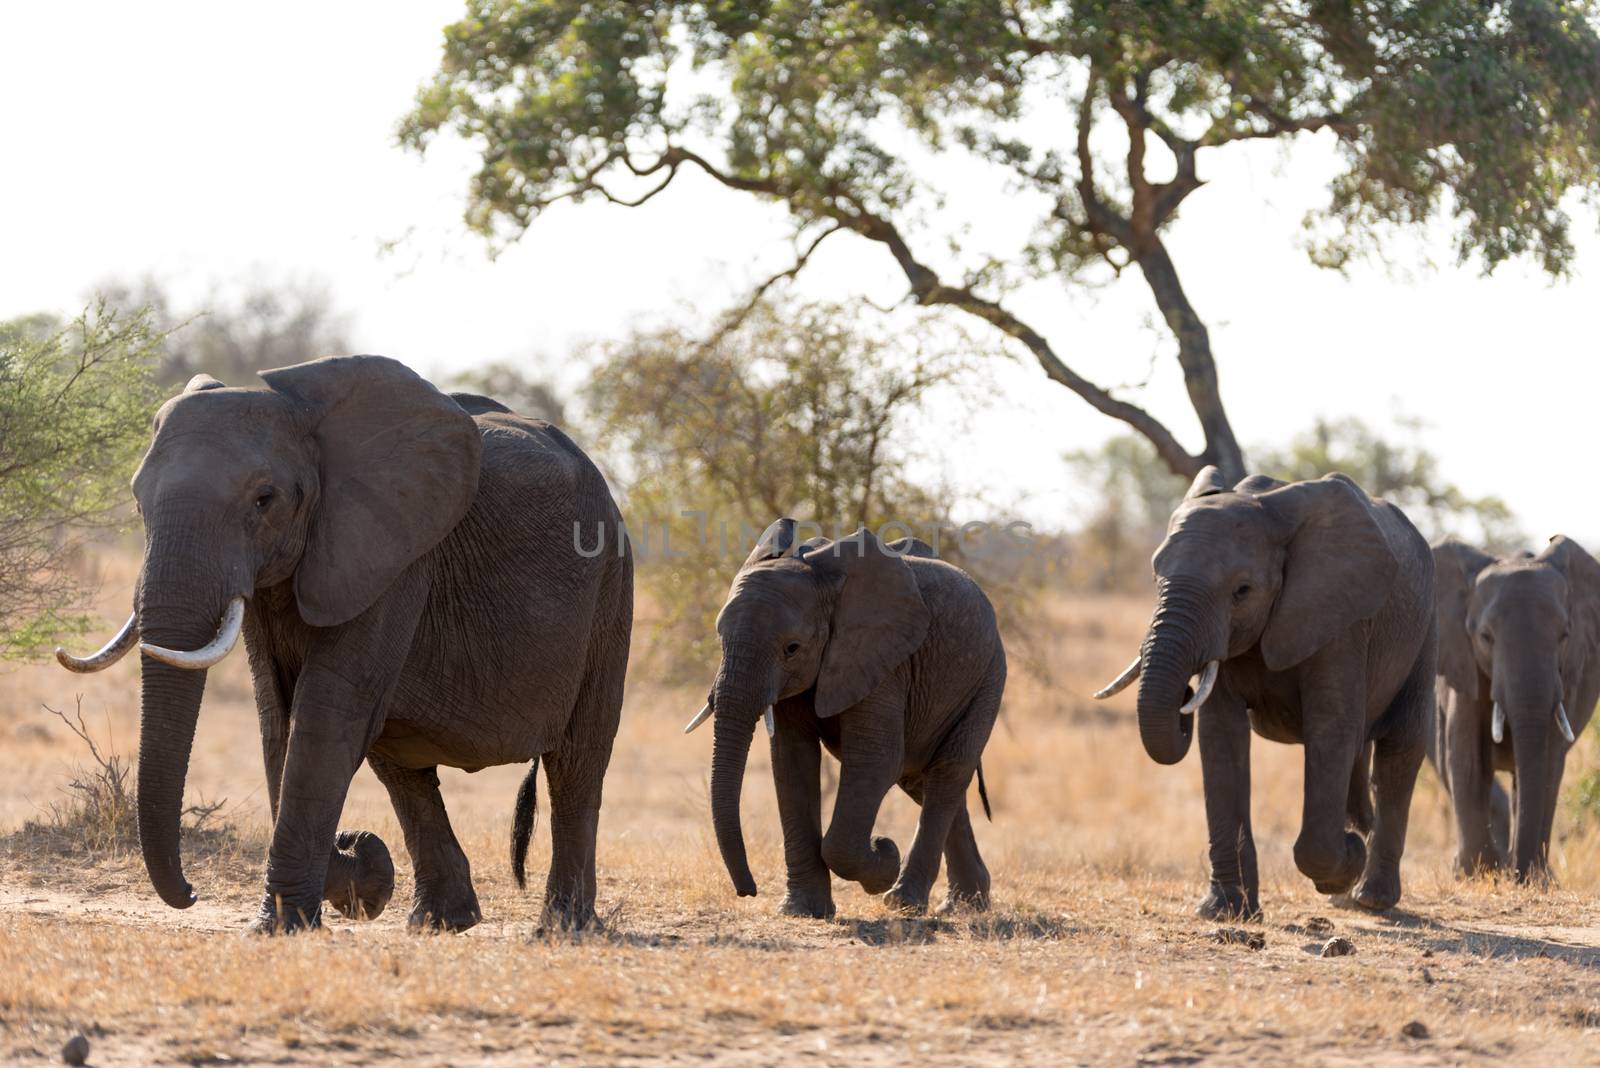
pixel 1122 681
pixel 114 650
pixel 1208 679
pixel 766 717
pixel 1497 726
pixel 1562 724
pixel 699 718
pixel 219 647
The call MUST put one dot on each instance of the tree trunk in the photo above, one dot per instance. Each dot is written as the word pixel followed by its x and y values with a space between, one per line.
pixel 1194 355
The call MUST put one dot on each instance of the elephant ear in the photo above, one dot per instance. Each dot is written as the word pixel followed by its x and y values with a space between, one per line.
pixel 201 382
pixel 1583 604
pixel 1207 482
pixel 776 541
pixel 1455 570
pixel 1256 485
pixel 1337 570
pixel 879 619
pixel 398 469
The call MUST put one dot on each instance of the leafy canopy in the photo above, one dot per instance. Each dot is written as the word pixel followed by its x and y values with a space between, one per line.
pixel 1483 114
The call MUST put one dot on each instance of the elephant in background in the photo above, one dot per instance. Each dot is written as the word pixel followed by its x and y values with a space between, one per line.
pixel 1519 667
pixel 892 660
pixel 1306 609
pixel 404 570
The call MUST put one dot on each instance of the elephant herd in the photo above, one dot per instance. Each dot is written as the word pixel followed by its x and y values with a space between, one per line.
pixel 404 567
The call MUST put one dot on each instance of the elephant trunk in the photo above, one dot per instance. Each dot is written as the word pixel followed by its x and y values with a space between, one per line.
pixel 736 715
pixel 177 609
pixel 1177 646
pixel 169 709
pixel 1530 741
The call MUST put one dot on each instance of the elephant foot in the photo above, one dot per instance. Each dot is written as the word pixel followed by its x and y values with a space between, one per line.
pixel 567 915
pixel 814 901
pixel 905 901
pixel 278 916
pixel 440 912
pixel 884 870
pixel 1229 903
pixel 360 876
pixel 1330 875
pixel 963 901
pixel 1379 891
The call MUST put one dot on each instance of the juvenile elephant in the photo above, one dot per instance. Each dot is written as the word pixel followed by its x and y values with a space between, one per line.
pixel 892 660
pixel 1519 666
pixel 403 567
pixel 1307 611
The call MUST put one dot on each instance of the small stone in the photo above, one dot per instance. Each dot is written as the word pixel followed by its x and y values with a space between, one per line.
pixel 1338 947
pixel 1238 936
pixel 1415 1029
pixel 76 1051
pixel 1319 925
pixel 1427 976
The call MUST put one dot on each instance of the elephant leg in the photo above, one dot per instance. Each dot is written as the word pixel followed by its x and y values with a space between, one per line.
pixel 1499 821
pixel 442 897
pixel 871 751
pixel 1397 757
pixel 944 793
pixel 337 713
pixel 575 778
pixel 576 771
pixel 1469 766
pixel 965 872
pixel 796 772
pixel 1333 723
pixel 1235 890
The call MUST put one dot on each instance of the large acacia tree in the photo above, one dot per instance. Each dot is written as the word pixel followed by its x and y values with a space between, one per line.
pixel 1487 114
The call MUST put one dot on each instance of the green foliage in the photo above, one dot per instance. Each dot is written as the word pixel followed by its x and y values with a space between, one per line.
pixel 1488 113
pixel 795 410
pixel 1133 494
pixel 75 405
pixel 1401 470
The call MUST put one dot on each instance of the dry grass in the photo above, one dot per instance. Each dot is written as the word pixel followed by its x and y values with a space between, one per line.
pixel 1091 955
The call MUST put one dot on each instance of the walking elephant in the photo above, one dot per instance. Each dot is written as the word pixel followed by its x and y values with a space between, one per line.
pixel 1519 667
pixel 892 660
pixel 403 567
pixel 1307 611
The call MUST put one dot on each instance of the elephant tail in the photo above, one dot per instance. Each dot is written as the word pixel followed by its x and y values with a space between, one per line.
pixel 522 821
pixel 983 794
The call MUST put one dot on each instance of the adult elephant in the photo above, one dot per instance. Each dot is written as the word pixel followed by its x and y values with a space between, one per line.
pixel 1307 611
pixel 1519 667
pixel 891 660
pixel 403 565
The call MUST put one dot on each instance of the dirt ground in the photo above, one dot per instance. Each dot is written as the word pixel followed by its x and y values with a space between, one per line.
pixel 1091 955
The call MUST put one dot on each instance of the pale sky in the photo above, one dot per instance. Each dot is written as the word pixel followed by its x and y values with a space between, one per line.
pixel 204 141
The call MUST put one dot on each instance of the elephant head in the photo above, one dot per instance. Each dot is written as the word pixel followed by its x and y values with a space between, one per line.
pixel 338 475
pixel 833 618
pixel 1520 632
pixel 1282 567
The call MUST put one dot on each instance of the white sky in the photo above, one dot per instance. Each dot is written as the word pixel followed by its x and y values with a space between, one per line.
pixel 204 141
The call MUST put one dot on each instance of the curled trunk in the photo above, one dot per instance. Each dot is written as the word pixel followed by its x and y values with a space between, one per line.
pixel 1177 646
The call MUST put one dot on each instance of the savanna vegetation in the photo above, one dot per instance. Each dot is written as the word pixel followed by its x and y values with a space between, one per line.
pixel 1479 119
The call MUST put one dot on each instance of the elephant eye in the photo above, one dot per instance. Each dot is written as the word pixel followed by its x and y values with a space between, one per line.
pixel 264 498
pixel 1241 593
pixel 791 649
